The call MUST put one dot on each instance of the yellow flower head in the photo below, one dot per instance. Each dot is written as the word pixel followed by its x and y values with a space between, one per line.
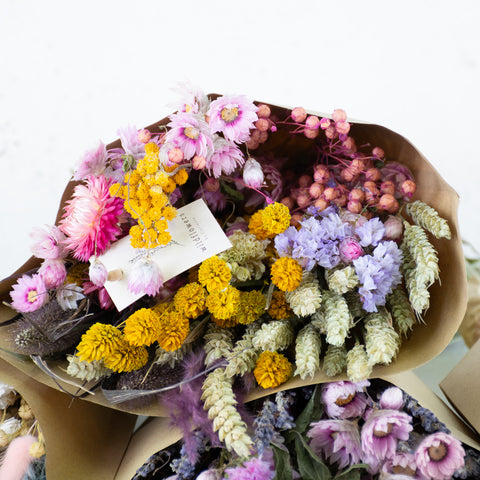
pixel 272 369
pixel 255 225
pixel 252 307
pixel 78 274
pixel 142 327
pixel 276 219
pixel 286 274
pixel 98 342
pixel 151 149
pixel 126 358
pixel 214 274
pixel 224 304
pixel 279 309
pixel 228 323
pixel 190 300
pixel 181 177
pixel 174 329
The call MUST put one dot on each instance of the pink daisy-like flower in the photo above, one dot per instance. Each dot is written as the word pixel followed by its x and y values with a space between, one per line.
pixel 145 277
pixel 253 469
pixel 233 116
pixel 53 273
pixel 401 466
pixel 382 430
pixel 131 144
pixel 191 134
pixel 29 293
pixel 47 242
pixel 91 218
pixel 344 399
pixel 225 158
pixel 94 162
pixel 338 441
pixel 439 455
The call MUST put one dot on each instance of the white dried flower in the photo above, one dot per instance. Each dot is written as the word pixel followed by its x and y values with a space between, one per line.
pixel 11 426
pixel 274 336
pixel 318 320
pixel 87 370
pixel 253 173
pixel 307 297
pixel 382 342
pixel 69 295
pixel 162 357
pixel 358 367
pixel 8 395
pixel 218 344
pixel 341 280
pixel 338 318
pixel 244 355
pixel 335 360
pixel 220 401
pixel 428 218
pixel 307 351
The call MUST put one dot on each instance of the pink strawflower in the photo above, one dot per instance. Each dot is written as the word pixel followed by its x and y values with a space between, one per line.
pixel 53 273
pixel 350 249
pixel 253 173
pixel 191 134
pixel 439 455
pixel 29 293
pixel 225 159
pixel 47 242
pixel 97 273
pixel 69 295
pixel 94 162
pixel 131 144
pixel 337 441
pixel 401 466
pixel 382 430
pixel 192 99
pixel 344 399
pixel 253 469
pixel 392 398
pixel 233 116
pixel 145 277
pixel 393 228
pixel 91 218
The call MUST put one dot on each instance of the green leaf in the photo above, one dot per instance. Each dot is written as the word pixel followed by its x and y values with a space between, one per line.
pixel 232 192
pixel 312 412
pixel 351 473
pixel 283 468
pixel 310 466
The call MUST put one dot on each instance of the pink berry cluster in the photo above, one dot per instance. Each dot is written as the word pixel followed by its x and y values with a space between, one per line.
pixel 361 182
pixel 263 126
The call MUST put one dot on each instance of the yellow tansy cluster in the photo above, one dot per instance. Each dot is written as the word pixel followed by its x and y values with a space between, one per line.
pixel 269 222
pixel 279 309
pixel 146 193
pixel 174 329
pixel 286 274
pixel 272 369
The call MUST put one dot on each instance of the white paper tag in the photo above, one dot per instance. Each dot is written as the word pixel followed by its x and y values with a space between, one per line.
pixel 196 236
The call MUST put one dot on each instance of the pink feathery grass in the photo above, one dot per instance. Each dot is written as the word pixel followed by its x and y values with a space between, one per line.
pixel 91 218
pixel 17 458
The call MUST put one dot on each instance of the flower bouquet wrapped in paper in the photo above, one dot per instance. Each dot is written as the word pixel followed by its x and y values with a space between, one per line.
pixel 275 245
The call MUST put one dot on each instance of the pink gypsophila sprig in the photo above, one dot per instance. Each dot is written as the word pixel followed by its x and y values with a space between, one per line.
pixel 233 116
pixel 191 134
pixel 29 293
pixel 91 220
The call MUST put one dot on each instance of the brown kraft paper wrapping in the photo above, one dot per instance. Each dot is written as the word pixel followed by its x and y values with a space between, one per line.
pixel 448 297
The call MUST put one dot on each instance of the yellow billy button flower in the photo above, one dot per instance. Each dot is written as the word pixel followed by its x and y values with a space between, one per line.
pixel 142 327
pixel 174 329
pixel 279 309
pixel 126 358
pixel 224 304
pixel 286 274
pixel 190 300
pixel 252 307
pixel 255 225
pixel 98 342
pixel 272 369
pixel 276 219
pixel 214 274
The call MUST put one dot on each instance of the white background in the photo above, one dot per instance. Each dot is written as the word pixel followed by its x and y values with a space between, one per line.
pixel 73 72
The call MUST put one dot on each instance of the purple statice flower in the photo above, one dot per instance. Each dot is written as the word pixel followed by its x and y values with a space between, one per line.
pixel 344 399
pixel 382 431
pixel 252 469
pixel 284 242
pixel 233 116
pixel 130 143
pixel 378 274
pixel 334 227
pixel 53 273
pixel 427 418
pixel 145 277
pixel 224 159
pixel 401 466
pixel 191 134
pixel 29 293
pixel 94 162
pixel 439 455
pixel 392 399
pixel 337 441
pixel 47 242
pixel 284 420
pixel 371 232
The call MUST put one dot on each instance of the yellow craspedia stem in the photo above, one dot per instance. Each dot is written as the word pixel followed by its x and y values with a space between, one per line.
pixel 272 369
pixel 214 274
pixel 98 342
pixel 286 274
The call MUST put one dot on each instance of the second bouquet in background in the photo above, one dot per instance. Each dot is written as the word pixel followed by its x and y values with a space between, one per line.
pixel 280 247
